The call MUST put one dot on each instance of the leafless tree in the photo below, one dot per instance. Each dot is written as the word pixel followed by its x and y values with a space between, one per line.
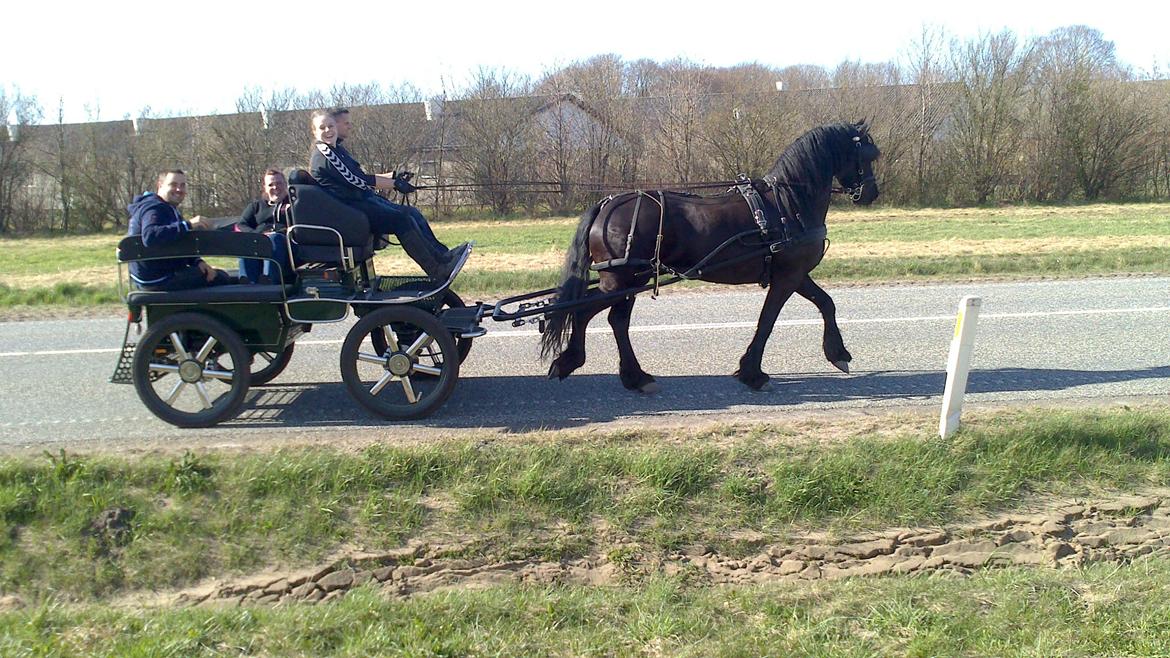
pixel 745 133
pixel 924 69
pixel 496 136
pixel 991 74
pixel 391 133
pixel 676 123
pixel 15 159
pixel 1097 120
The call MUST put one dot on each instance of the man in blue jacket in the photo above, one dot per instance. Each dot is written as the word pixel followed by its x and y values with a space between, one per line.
pixel 155 216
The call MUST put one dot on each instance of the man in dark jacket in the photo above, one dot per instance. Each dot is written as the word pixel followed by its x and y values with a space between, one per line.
pixel 155 216
pixel 268 215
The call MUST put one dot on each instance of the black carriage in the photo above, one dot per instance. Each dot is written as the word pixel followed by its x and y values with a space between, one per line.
pixel 202 349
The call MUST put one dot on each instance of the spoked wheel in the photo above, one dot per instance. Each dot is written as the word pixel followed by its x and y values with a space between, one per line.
pixel 267 366
pixel 462 345
pixel 403 379
pixel 191 370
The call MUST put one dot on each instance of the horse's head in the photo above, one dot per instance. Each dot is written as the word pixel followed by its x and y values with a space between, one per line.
pixel 856 170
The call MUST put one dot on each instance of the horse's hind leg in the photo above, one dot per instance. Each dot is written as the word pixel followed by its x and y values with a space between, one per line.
pixel 573 356
pixel 832 342
pixel 632 375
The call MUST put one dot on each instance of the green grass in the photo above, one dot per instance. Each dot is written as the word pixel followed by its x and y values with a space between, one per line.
pixel 213 513
pixel 61 294
pixel 1100 610
pixel 36 255
pixel 1085 222
pixel 1099 235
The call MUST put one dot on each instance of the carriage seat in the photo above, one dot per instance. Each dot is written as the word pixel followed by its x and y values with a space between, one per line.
pixel 204 244
pixel 314 206
pixel 232 294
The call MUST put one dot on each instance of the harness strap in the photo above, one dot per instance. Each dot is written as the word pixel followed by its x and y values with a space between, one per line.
pixel 625 259
pixel 658 242
pixel 774 185
pixel 743 185
pixel 633 224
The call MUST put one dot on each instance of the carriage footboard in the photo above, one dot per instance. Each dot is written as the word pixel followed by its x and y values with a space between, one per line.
pixel 122 371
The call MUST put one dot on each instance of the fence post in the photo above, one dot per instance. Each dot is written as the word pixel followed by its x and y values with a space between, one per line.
pixel 958 364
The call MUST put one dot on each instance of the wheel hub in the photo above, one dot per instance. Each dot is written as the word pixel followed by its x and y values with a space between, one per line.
pixel 399 365
pixel 190 371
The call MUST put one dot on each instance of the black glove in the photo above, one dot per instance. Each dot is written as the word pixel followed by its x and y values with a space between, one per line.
pixel 401 185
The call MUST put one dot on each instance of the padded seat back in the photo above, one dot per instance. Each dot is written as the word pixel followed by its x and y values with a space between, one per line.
pixel 314 206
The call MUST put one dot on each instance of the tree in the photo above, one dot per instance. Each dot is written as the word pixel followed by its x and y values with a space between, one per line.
pixel 991 77
pixel 676 122
pixel 924 70
pixel 744 133
pixel 1096 117
pixel 15 159
pixel 495 132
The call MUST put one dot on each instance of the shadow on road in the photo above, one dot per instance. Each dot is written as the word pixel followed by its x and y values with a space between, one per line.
pixel 524 403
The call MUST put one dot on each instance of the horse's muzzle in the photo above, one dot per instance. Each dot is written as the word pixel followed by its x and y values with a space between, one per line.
pixel 866 192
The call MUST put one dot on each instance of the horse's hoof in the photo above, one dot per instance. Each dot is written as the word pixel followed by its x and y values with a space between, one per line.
pixel 842 365
pixel 650 388
pixel 760 383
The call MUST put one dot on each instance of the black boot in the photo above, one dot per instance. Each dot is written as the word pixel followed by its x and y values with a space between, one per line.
pixel 455 254
pixel 419 249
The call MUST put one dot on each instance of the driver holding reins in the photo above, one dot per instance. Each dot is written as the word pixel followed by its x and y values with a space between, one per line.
pixel 342 176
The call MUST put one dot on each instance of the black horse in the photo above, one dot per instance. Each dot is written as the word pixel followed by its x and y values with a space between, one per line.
pixel 770 232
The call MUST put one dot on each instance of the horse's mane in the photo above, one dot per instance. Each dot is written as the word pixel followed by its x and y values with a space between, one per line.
pixel 806 167
pixel 811 159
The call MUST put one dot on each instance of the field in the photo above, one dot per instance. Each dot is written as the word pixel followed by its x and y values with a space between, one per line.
pixel 866 246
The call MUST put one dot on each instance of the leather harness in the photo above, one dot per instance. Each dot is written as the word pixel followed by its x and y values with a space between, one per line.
pixel 776 231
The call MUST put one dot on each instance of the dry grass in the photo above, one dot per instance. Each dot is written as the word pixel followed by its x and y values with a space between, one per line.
pixel 395 262
pixel 936 248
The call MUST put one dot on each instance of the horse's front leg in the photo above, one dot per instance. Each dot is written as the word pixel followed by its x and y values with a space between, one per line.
pixel 632 375
pixel 749 371
pixel 832 342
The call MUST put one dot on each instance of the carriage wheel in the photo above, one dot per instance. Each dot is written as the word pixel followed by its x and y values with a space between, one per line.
pixel 191 370
pixel 267 366
pixel 402 380
pixel 462 345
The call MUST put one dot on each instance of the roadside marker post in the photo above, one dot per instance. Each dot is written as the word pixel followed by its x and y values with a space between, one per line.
pixel 958 365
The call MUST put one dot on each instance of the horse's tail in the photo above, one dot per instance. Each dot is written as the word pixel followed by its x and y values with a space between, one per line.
pixel 558 325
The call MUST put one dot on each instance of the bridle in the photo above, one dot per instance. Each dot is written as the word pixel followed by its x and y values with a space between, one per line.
pixel 854 192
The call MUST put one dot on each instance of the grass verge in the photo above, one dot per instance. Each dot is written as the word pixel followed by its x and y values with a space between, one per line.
pixel 1101 610
pixel 61 294
pixel 214 513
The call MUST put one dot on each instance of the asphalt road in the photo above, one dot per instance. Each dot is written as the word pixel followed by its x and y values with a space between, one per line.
pixel 1071 341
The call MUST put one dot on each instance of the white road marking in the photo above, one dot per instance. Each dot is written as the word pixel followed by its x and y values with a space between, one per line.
pixel 702 326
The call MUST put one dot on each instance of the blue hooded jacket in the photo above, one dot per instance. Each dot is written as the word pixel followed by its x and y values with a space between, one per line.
pixel 158 222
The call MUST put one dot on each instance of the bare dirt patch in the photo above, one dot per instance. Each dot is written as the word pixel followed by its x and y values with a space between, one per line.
pixel 1052 533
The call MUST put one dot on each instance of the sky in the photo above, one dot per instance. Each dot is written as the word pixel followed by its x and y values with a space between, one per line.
pixel 108 60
